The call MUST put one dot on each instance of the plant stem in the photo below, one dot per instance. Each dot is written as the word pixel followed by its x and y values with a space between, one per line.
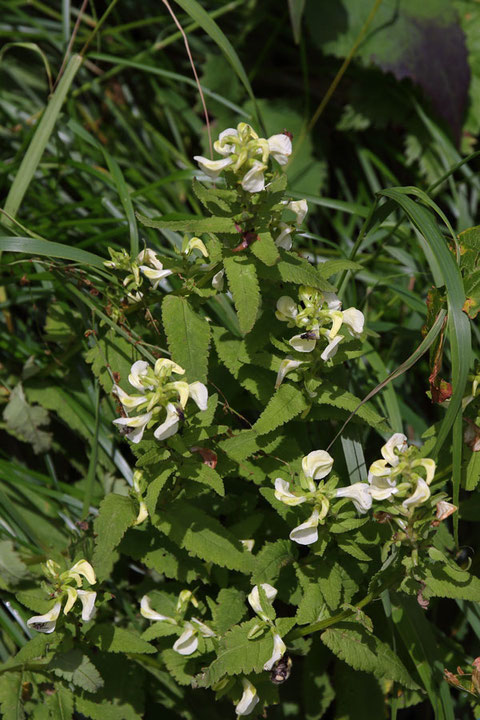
pixel 322 624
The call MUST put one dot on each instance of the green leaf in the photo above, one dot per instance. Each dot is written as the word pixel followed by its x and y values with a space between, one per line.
pixel 24 421
pixel 237 654
pixel 332 267
pixel 203 536
pixel 188 336
pixel 295 270
pixel 447 581
pixel 11 688
pixel 286 403
pixel 12 568
pixel 112 354
pixel 363 651
pixel 229 610
pixel 204 474
pixel 243 284
pixel 77 668
pixel 60 703
pixel 117 513
pixel 340 398
pixel 43 131
pixel 311 605
pixel 118 640
pixel 154 489
pixel 34 246
pixel 264 249
pixel 210 198
pixel 182 668
pixel 190 223
pixel 473 471
pixel 270 560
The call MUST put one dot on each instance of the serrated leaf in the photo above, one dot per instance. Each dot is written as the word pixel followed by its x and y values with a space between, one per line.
pixel 154 489
pixel 445 581
pixel 332 267
pixel 112 354
pixel 180 667
pixel 229 610
pixel 117 513
pixel 363 651
pixel 118 640
pixel 340 398
pixel 286 403
pixel 60 703
pixel 11 686
pixel 190 223
pixel 24 421
pixel 204 474
pixel 270 560
pixel 203 536
pixel 243 284
pixel 264 249
pixel 210 198
pixel 77 668
pixel 311 605
pixel 295 270
pixel 237 654
pixel 188 336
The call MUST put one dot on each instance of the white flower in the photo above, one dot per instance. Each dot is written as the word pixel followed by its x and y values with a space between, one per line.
pixel 331 349
pixel 170 425
pixel 45 623
pixel 287 309
pixel 254 181
pixel 428 465
pixel 154 275
pixel 248 700
pixel 218 280
pixel 187 643
pixel 203 629
pixel 142 513
pixel 221 146
pixel 382 487
pixel 138 376
pixel 128 401
pixel 307 532
pixel 279 649
pixel 199 394
pixel 165 366
pixel 286 366
pixel 254 599
pixel 421 494
pixel 282 493
pixel 355 321
pixel 300 343
pixel 300 208
pixel 284 240
pixel 398 442
pixel 212 168
pixel 87 598
pixel 332 300
pixel 136 425
pixel 359 493
pixel 82 567
pixel 147 612
pixel 196 244
pixel 317 464
pixel 280 147
pixel 150 258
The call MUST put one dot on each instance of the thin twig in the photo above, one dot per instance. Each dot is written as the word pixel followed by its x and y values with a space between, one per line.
pixel 70 44
pixel 200 91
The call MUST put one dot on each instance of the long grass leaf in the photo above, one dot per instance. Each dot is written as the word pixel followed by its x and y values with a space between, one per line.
pixel 34 246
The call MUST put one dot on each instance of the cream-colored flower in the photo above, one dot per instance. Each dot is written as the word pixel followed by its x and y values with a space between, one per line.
pixel 196 244
pixel 87 598
pixel 331 349
pixel 304 343
pixel 286 366
pixel 135 426
pixel 45 623
pixel 82 567
pixel 396 445
pixel 199 394
pixel 284 239
pixel 359 493
pixel 317 464
pixel 282 493
pixel 287 310
pixel 169 426
pixel 254 180
pixel 255 602
pixel 279 649
pixel 225 145
pixel 212 168
pixel 187 643
pixel 147 612
pixel 280 147
pixel 300 208
pixel 218 280
pixel 307 532
pixel 249 699
pixel 421 494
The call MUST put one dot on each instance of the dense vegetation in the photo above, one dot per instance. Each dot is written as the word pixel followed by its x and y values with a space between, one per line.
pixel 240 432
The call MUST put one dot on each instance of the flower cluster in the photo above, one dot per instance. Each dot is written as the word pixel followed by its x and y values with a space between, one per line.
pixel 320 316
pixel 246 155
pixel 159 395
pixel 66 585
pixel 190 630
pixel 146 263
pixel 399 475
pixel 316 466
